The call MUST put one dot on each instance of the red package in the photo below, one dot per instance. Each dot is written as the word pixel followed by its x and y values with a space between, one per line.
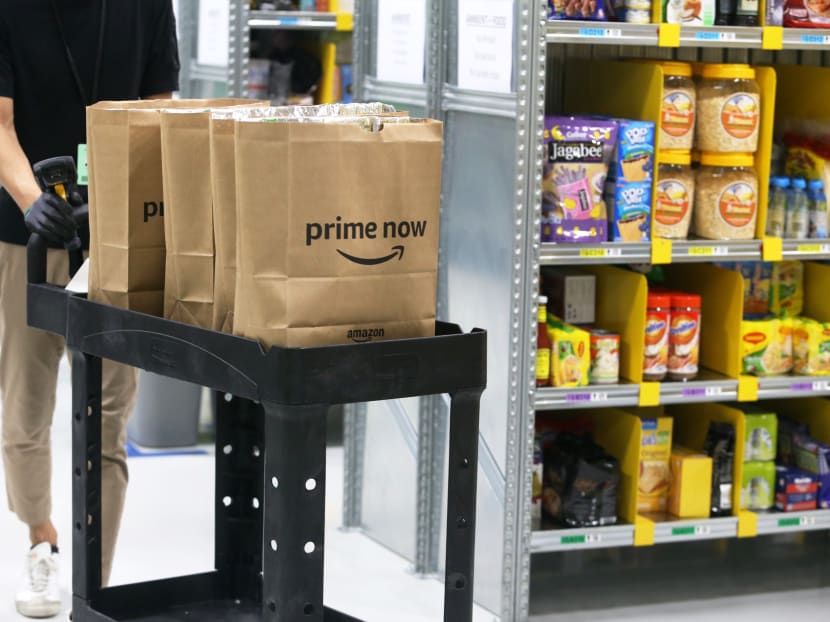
pixel 807 13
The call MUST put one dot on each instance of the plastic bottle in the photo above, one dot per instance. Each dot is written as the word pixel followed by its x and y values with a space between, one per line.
pixel 777 215
pixel 818 209
pixel 798 213
pixel 543 345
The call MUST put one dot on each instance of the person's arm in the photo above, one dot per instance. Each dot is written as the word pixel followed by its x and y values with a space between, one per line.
pixel 16 174
pixel 161 74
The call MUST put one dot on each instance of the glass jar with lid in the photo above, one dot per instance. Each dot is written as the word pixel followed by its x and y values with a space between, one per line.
pixel 677 117
pixel 726 196
pixel 675 195
pixel 728 109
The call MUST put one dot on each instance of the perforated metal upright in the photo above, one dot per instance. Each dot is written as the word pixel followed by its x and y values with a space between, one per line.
pixel 271 454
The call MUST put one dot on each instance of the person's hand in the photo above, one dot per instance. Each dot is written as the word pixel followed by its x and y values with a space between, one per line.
pixel 51 217
pixel 80 208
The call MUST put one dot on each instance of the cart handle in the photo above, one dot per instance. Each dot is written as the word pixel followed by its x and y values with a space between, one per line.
pixel 36 257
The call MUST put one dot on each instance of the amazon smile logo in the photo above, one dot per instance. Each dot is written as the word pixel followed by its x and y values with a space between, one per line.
pixel 341 230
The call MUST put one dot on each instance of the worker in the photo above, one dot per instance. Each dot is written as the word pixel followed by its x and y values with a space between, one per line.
pixel 56 58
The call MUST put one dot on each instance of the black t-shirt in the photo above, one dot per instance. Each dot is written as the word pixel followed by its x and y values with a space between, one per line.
pixel 140 58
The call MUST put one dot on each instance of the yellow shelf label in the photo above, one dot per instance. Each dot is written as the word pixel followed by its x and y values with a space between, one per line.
pixel 345 22
pixel 747 389
pixel 643 531
pixel 701 251
pixel 649 394
pixel 811 248
pixel 773 249
pixel 773 38
pixel 747 524
pixel 661 251
pixel 669 36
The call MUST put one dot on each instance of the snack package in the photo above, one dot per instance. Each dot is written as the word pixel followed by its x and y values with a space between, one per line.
pixel 761 442
pixel 580 482
pixel 720 445
pixel 589 10
pixel 787 289
pixel 807 14
pixel 689 12
pixel 795 490
pixel 579 155
pixel 538 474
pixel 757 283
pixel 758 486
pixel 690 493
pixel 814 457
pixel 808 150
pixel 655 454
pixel 766 347
pixel 787 431
pixel 811 347
pixel 571 350
pixel 775 12
pixel 629 190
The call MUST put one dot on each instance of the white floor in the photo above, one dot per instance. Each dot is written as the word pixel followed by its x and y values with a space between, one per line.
pixel 168 531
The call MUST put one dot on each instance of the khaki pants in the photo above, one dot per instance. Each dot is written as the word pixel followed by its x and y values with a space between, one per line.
pixel 29 360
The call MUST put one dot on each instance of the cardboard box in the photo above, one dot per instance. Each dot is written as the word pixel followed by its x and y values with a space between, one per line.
pixel 795 490
pixel 572 295
pixel 761 442
pixel 690 494
pixel 655 476
pixel 758 486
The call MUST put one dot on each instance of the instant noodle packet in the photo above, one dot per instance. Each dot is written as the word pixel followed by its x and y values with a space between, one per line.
pixel 766 347
pixel 571 354
pixel 811 347
pixel 787 289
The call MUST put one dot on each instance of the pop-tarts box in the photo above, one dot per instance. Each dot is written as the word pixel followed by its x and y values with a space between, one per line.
pixel 632 177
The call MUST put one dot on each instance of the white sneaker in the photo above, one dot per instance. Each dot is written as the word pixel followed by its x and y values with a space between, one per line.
pixel 39 594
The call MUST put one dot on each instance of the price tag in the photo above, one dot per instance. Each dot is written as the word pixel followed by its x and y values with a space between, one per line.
pixel 797 521
pixel 588 538
pixel 605 33
pixel 692 530
pixel 815 39
pixel 814 249
pixel 821 385
pixel 801 386
pixel 694 392
pixel 594 396
pixel 714 35
pixel 593 253
pixel 707 251
pixel 289 21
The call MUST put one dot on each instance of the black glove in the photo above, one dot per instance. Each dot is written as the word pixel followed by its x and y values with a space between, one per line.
pixel 51 217
pixel 80 208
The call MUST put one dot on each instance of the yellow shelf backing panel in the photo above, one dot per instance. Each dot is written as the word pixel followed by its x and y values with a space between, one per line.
pixel 817 291
pixel 767 81
pixel 619 433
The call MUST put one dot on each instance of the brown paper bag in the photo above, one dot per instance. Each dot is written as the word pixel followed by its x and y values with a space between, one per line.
pixel 127 249
pixel 223 179
pixel 337 232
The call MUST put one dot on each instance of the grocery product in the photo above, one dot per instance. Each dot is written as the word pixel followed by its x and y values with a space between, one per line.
pixel 728 109
pixel 638 16
pixel 605 357
pixel 675 193
pixel 677 117
pixel 689 12
pixel 798 211
pixel 814 457
pixel 536 492
pixel 758 486
pixel 777 210
pixel 761 442
pixel 787 289
pixel 631 179
pixel 808 149
pixel 766 347
pixel 726 197
pixel 757 284
pixel 571 294
pixel 746 13
pixel 543 345
pixel 787 431
pixel 725 12
pixel 571 354
pixel 720 445
pixel 684 336
pixel 595 10
pixel 690 492
pixel 656 352
pixel 775 12
pixel 811 347
pixel 818 210
pixel 580 482
pixel 795 490
pixel 655 477
pixel 579 154
pixel 806 14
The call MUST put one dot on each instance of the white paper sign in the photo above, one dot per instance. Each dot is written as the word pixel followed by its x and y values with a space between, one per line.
pixel 402 26
pixel 485 45
pixel 214 33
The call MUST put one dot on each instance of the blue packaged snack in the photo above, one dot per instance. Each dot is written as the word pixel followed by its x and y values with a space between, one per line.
pixel 633 177
pixel 592 10
pixel 814 457
pixel 346 83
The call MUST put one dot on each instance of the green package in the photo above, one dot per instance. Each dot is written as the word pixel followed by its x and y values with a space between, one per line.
pixel 761 440
pixel 758 486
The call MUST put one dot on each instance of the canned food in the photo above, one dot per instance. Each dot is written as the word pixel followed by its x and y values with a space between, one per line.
pixel 605 357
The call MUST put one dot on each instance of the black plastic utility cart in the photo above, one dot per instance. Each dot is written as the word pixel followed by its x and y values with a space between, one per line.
pixel 270 453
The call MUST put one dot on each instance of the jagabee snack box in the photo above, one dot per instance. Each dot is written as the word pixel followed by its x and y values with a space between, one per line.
pixel 655 476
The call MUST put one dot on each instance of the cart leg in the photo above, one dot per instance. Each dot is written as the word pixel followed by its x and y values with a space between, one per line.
pixel 86 475
pixel 461 506
pixel 294 513
pixel 240 454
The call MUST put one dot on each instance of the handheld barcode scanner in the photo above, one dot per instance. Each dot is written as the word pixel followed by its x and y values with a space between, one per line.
pixel 59 176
